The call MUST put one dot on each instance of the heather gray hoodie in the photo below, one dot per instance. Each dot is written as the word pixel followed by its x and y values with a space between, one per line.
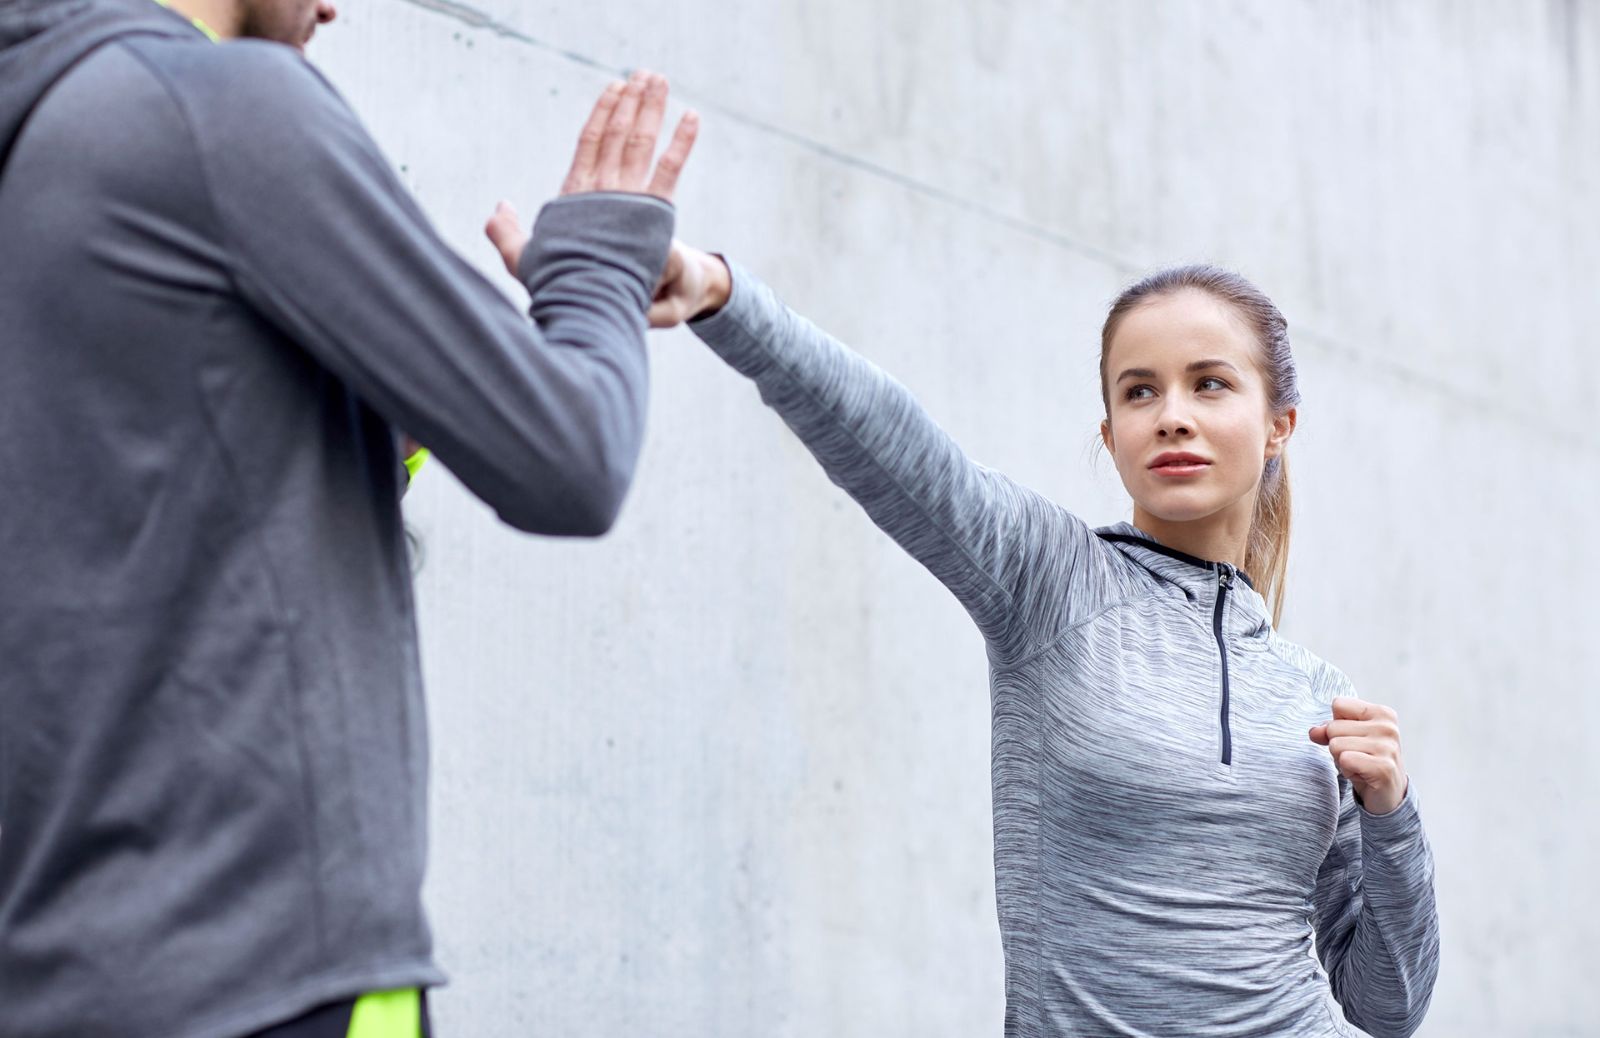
pixel 216 304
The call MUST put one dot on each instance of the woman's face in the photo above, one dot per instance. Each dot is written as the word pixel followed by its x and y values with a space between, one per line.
pixel 1189 425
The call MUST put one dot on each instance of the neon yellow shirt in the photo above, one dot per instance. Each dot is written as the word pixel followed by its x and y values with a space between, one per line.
pixel 211 33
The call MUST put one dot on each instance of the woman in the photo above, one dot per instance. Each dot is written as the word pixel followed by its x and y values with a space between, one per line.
pixel 1170 833
pixel 1169 837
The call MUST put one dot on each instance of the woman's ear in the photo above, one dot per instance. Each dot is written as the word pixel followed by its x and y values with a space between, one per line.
pixel 1282 428
pixel 1105 436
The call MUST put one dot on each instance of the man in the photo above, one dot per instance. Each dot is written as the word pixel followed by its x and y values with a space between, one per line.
pixel 216 305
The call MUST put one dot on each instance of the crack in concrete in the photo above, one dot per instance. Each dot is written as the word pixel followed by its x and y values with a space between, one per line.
pixel 1128 268
pixel 481 20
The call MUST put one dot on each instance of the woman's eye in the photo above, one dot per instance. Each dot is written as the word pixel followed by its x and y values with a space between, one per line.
pixel 1212 383
pixel 1137 393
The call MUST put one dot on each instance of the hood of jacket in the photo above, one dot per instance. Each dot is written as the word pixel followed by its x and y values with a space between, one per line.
pixel 42 40
pixel 1198 578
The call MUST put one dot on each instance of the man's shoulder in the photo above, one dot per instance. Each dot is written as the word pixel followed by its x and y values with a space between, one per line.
pixel 249 102
pixel 206 77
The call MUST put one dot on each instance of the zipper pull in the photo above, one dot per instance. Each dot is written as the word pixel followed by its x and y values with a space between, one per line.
pixel 1225 579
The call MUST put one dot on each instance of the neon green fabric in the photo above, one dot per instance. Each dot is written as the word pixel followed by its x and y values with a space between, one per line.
pixel 198 24
pixel 414 463
pixel 387 1014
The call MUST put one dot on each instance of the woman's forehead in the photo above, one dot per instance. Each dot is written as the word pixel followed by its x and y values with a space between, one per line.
pixel 1180 328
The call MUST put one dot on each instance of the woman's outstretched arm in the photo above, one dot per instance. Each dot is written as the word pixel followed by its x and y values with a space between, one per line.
pixel 995 544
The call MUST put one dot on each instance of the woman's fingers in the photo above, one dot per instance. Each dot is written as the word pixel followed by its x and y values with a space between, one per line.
pixel 677 291
pixel 1363 768
pixel 665 181
pixel 1351 709
pixel 582 174
pixel 666 313
pixel 1379 728
pixel 1357 744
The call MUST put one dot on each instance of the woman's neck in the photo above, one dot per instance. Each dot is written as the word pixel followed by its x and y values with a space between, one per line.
pixel 1220 537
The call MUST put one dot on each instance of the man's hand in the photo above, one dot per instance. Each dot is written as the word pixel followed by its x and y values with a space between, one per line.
pixel 614 153
pixel 1364 739
pixel 693 284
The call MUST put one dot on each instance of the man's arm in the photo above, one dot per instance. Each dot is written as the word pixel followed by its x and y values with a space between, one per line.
pixel 542 419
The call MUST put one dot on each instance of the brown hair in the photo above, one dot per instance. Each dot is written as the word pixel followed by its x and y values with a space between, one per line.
pixel 1266 556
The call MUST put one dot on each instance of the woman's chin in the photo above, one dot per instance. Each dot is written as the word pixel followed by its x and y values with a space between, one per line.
pixel 1180 507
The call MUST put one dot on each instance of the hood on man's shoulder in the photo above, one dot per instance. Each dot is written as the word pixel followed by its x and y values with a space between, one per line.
pixel 42 40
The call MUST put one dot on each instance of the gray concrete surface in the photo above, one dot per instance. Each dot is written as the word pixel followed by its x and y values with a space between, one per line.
pixel 725 772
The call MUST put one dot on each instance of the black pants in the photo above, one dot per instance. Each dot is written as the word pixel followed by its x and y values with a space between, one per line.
pixel 330 1021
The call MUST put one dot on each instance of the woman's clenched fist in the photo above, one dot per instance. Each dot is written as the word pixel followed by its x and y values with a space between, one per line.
pixel 1364 739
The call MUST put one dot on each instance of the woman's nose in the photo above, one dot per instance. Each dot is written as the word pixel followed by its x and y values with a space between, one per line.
pixel 326 13
pixel 1173 422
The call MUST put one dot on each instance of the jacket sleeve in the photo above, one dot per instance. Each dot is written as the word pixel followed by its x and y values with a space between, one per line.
pixel 1377 927
pixel 542 419
pixel 996 545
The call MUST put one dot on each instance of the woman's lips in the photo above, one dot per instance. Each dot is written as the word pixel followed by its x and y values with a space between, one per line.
pixel 1179 465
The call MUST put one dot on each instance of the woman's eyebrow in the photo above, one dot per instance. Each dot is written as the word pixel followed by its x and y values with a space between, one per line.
pixel 1202 365
pixel 1199 365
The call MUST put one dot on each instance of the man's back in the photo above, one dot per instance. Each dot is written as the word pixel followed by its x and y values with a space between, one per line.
pixel 212 758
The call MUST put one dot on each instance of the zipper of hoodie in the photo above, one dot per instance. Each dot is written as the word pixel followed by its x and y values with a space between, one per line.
pixel 1224 582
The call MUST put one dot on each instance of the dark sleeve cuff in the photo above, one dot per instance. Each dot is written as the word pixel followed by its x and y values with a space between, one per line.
pixel 627 232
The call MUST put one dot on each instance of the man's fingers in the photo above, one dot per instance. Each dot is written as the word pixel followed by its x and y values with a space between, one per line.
pixel 581 176
pixel 504 229
pixel 640 146
pixel 665 181
pixel 608 168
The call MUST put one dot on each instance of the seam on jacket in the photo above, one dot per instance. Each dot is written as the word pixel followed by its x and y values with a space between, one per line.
pixel 308 792
pixel 797 383
pixel 1071 628
pixel 1273 647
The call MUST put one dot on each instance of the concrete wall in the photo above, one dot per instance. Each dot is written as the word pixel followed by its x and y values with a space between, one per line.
pixel 725 772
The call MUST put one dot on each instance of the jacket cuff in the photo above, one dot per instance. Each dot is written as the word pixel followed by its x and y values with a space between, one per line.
pixel 747 324
pixel 1396 828
pixel 631 233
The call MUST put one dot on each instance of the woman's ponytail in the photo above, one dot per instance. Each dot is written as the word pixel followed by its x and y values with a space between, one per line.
pixel 1266 557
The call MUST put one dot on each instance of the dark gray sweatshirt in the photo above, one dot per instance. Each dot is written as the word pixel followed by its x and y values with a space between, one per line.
pixel 217 303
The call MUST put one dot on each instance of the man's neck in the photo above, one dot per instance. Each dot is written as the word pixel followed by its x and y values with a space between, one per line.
pixel 220 16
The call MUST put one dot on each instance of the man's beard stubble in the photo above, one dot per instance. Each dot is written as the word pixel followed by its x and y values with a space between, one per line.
pixel 289 22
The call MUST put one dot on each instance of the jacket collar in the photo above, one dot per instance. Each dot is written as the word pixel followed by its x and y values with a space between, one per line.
pixel 1199 578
